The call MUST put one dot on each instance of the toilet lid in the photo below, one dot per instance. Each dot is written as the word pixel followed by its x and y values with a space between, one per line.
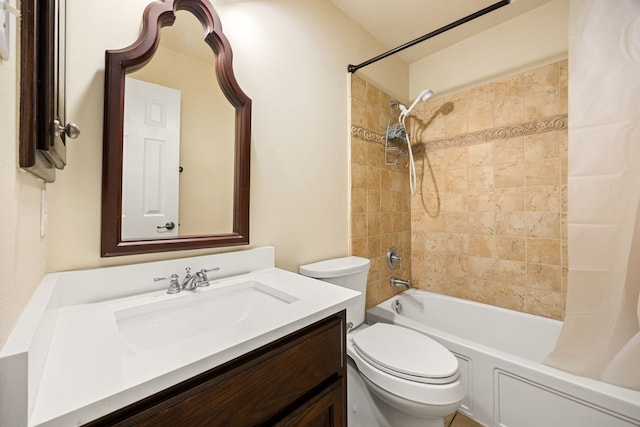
pixel 407 354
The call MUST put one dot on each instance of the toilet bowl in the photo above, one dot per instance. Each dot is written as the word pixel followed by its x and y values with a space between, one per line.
pixel 395 376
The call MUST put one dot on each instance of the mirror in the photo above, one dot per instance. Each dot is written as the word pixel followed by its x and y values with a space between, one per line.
pixel 43 135
pixel 176 137
pixel 175 94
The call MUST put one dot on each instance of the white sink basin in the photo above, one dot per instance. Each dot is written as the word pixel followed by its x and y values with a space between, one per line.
pixel 157 324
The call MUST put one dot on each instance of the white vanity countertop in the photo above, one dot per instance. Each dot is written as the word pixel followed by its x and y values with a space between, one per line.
pixel 89 369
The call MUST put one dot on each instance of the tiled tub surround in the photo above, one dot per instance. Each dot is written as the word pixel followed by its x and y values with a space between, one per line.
pixel 498 155
pixel 380 194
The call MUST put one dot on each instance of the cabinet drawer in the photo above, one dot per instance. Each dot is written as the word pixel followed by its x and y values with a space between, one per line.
pixel 257 387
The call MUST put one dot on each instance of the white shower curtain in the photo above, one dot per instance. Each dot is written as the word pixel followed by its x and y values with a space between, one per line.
pixel 601 333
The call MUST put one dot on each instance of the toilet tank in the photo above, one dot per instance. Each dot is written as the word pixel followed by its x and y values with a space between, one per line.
pixel 349 272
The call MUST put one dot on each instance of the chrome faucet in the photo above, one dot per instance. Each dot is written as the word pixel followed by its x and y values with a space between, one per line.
pixel 199 280
pixel 190 282
pixel 399 282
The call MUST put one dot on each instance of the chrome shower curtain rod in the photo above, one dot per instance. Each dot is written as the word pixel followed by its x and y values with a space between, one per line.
pixel 354 68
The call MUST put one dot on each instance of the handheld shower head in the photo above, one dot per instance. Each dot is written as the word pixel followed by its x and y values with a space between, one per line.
pixel 424 95
pixel 404 112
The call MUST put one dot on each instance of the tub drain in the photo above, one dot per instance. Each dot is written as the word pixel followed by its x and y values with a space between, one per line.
pixel 397 306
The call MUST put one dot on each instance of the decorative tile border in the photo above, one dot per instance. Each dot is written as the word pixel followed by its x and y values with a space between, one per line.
pixel 366 134
pixel 394 150
pixel 548 124
pixel 530 128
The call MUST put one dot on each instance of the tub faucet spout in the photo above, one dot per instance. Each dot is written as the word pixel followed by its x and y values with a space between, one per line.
pixel 395 282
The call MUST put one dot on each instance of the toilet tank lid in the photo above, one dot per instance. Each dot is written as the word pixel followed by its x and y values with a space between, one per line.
pixel 335 267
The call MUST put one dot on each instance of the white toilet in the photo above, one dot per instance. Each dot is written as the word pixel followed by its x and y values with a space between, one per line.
pixel 396 377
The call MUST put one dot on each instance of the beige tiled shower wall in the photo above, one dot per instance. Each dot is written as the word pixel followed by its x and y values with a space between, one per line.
pixel 496 158
pixel 380 195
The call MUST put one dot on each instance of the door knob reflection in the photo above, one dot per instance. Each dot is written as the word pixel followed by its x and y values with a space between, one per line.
pixel 168 226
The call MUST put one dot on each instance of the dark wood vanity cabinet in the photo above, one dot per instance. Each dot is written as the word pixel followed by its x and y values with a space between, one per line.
pixel 298 380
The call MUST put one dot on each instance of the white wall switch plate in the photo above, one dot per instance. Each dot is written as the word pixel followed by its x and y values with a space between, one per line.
pixel 4 33
pixel 43 212
pixel 6 9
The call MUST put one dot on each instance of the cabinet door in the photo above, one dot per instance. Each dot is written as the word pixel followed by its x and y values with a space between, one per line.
pixel 326 409
pixel 296 380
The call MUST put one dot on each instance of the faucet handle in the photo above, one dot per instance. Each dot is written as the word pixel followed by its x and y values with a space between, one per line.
pixel 393 258
pixel 174 285
pixel 202 278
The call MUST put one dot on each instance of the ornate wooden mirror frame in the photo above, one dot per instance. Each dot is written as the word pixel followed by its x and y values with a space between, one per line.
pixel 118 63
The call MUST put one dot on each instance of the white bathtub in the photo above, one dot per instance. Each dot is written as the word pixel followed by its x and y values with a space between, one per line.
pixel 500 353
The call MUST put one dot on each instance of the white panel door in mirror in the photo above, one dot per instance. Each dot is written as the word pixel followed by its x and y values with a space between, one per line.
pixel 151 155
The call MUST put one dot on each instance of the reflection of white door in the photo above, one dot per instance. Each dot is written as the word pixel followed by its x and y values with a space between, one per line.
pixel 150 162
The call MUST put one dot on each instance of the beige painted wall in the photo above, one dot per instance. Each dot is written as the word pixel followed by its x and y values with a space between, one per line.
pixel 22 250
pixel 533 39
pixel 294 70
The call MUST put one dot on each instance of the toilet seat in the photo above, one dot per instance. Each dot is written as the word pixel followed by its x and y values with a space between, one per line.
pixel 406 354
pixel 441 395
